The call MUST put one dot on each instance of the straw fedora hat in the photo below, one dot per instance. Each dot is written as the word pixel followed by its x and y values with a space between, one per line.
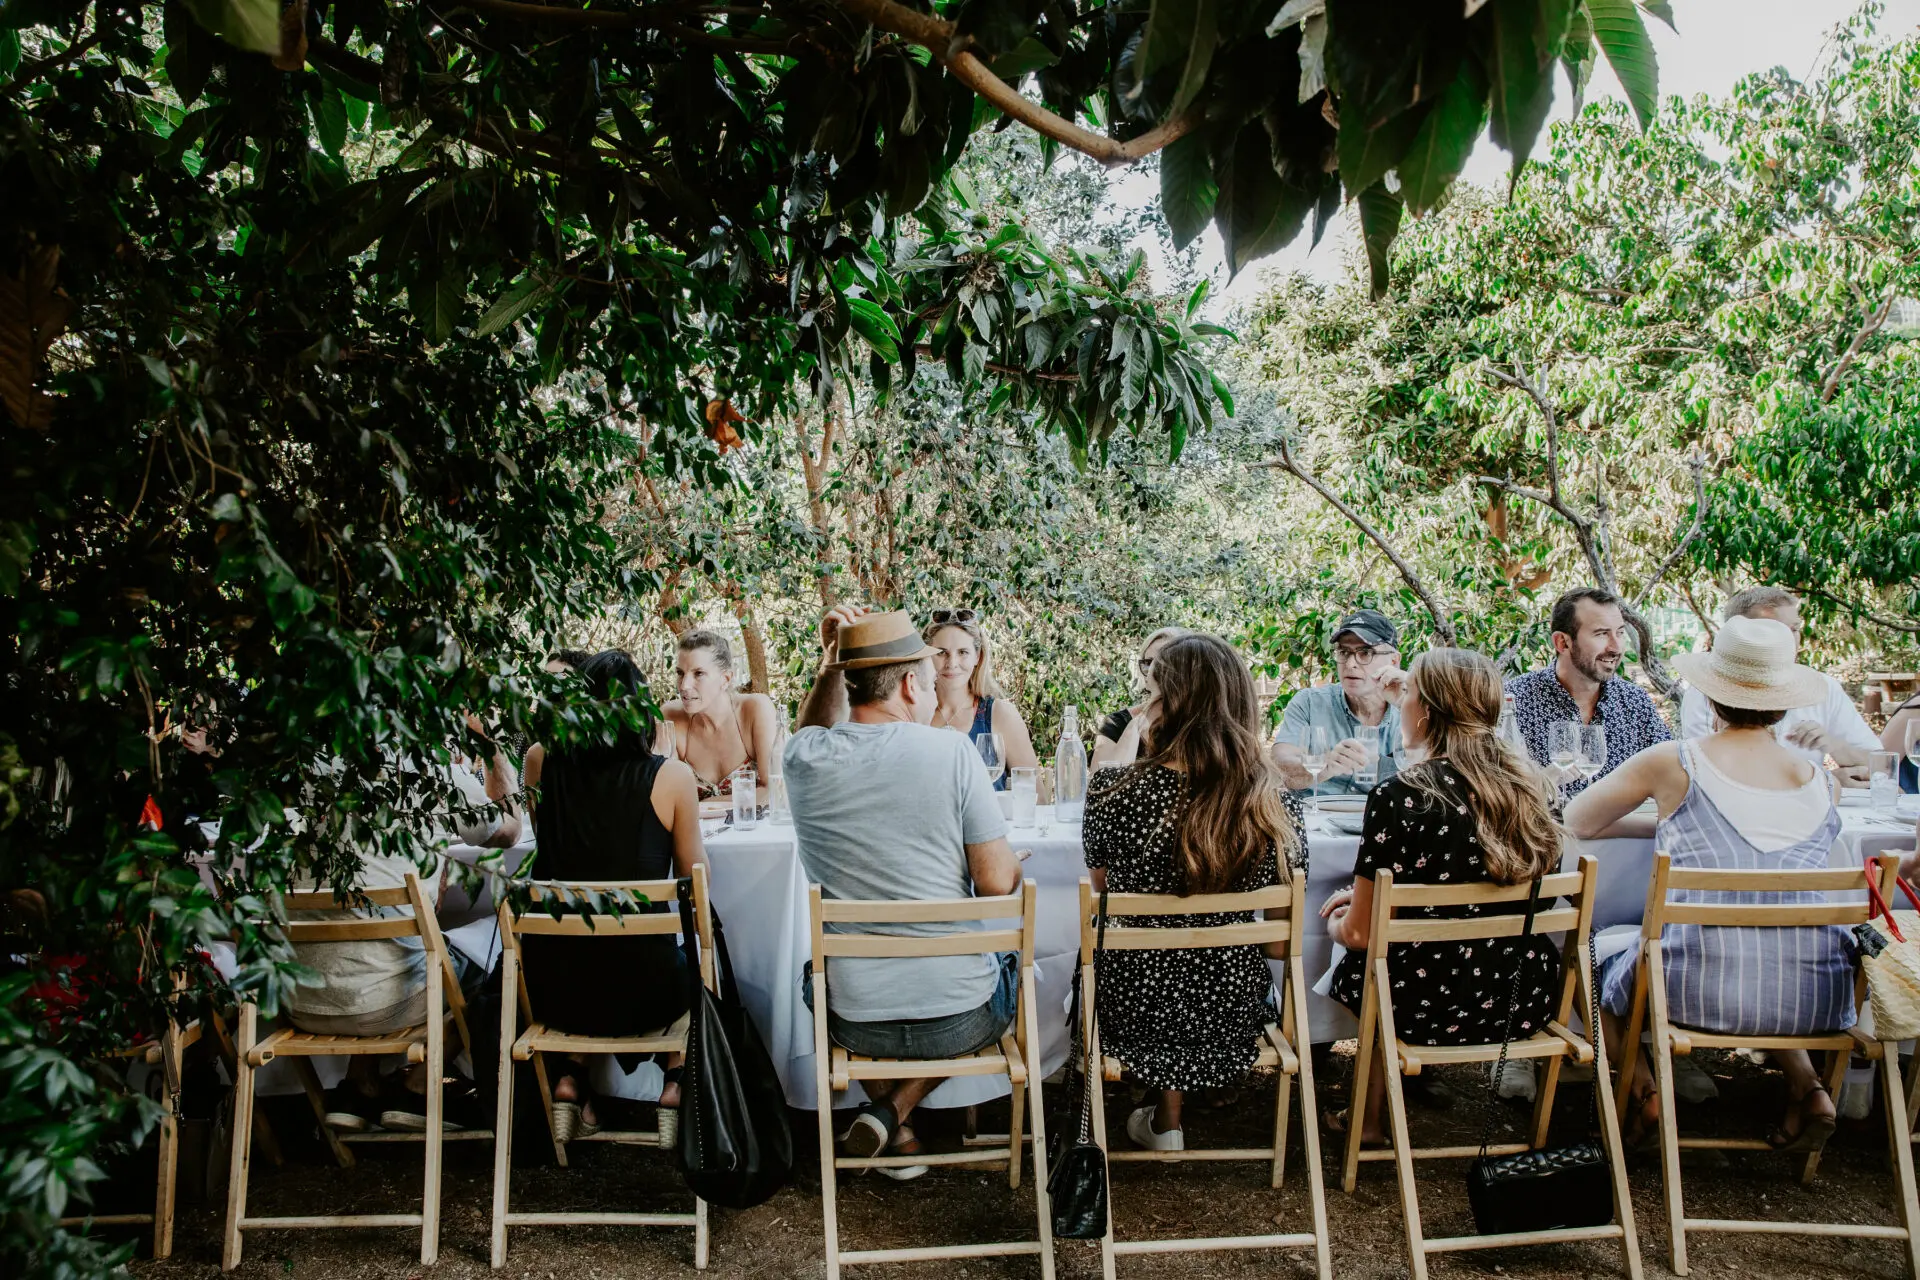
pixel 879 640
pixel 1751 666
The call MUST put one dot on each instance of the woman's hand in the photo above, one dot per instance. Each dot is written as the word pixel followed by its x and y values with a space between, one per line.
pixel 1337 903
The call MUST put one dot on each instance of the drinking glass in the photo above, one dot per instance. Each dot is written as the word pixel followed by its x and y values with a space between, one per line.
pixel 1592 759
pixel 1369 771
pixel 1913 742
pixel 992 751
pixel 746 800
pixel 1026 795
pixel 779 812
pixel 1313 752
pixel 1883 781
pixel 1563 743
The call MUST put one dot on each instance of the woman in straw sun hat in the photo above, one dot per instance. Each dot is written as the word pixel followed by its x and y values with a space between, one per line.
pixel 1734 800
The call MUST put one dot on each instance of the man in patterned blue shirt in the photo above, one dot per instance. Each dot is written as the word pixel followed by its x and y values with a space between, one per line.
pixel 1583 684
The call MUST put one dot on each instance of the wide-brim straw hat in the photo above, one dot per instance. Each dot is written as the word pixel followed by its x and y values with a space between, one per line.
pixel 879 640
pixel 1751 666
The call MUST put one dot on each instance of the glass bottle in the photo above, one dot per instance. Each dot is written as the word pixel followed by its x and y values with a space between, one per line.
pixel 1070 771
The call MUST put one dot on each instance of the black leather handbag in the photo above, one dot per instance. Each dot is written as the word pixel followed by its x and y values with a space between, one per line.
pixel 736 1149
pixel 1555 1187
pixel 1077 1176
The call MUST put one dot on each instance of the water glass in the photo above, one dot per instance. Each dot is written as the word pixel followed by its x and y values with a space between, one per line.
pixel 779 812
pixel 1592 759
pixel 1026 795
pixel 1368 773
pixel 746 799
pixel 1883 781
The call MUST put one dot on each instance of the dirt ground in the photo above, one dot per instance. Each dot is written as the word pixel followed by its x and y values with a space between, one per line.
pixel 783 1237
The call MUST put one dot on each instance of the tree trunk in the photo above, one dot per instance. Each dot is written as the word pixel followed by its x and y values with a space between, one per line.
pixel 754 637
pixel 814 469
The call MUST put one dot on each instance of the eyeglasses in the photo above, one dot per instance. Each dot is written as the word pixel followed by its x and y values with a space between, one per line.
pixel 943 616
pixel 1346 653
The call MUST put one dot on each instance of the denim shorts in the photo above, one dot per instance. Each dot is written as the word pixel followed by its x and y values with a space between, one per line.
pixel 953 1036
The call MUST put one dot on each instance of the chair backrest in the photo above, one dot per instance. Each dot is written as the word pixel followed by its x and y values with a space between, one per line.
pixel 1280 903
pixel 1845 910
pixel 822 911
pixel 627 894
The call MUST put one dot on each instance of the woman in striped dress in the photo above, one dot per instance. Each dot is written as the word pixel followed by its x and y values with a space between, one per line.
pixel 1735 800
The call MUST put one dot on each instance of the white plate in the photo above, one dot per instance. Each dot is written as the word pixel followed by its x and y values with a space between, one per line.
pixel 1342 804
pixel 1854 798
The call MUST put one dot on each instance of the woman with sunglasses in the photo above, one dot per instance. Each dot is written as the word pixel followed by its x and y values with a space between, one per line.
pixel 967 699
pixel 1118 741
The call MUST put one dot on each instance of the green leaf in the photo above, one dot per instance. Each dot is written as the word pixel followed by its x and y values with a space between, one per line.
pixel 330 119
pixel 1380 212
pixel 526 294
pixel 9 50
pixel 1366 154
pixel 872 323
pixel 1177 32
pixel 1221 392
pixel 1662 10
pixel 435 302
pixel 1445 139
pixel 1187 188
pixel 1256 212
pixel 1526 36
pixel 1030 55
pixel 1200 46
pixel 253 25
pixel 1622 36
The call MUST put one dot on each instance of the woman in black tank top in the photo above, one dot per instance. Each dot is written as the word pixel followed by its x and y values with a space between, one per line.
pixel 610 813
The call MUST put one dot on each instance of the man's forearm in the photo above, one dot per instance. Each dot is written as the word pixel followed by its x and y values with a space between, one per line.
pixel 1286 757
pixel 825 703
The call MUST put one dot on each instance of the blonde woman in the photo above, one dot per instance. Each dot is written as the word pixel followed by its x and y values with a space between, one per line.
pixel 967 700
pixel 1118 741
pixel 1473 811
pixel 709 726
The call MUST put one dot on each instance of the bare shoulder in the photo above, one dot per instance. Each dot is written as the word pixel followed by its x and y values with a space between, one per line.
pixel 530 767
pixel 758 707
pixel 1007 712
pixel 673 774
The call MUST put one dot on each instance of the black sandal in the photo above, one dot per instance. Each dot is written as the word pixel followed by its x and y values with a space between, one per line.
pixel 1814 1130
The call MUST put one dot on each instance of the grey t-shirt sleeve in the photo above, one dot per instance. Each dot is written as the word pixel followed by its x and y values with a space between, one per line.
pixel 980 816
pixel 1296 719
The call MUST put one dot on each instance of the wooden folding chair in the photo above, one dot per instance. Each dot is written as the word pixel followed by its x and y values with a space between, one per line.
pixel 168 1053
pixel 423 1043
pixel 1283 906
pixel 538 1040
pixel 1670 1039
pixel 835 1069
pixel 1557 1043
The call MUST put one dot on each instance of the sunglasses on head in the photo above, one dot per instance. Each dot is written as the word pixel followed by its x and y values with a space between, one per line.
pixel 943 616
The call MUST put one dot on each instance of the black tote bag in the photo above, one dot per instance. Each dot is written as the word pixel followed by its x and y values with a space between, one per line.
pixel 736 1149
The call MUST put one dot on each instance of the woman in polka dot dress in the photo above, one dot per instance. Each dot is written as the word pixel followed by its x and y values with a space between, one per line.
pixel 1202 812
pixel 1475 811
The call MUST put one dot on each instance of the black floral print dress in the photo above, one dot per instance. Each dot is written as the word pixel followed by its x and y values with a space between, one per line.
pixel 1179 1019
pixel 1446 992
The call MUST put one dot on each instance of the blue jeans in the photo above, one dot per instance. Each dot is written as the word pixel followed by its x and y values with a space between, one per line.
pixel 953 1036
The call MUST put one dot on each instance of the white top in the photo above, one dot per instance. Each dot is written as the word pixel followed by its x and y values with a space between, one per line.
pixel 1767 819
pixel 1837 715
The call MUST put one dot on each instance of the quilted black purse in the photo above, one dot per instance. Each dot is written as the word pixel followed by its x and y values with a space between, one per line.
pixel 1555 1187
pixel 1077 1178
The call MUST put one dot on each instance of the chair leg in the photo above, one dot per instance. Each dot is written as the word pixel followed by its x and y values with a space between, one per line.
pixel 1036 1103
pixel 1362 1076
pixel 1913 1084
pixel 242 1140
pixel 1836 1078
pixel 546 1103
pixel 1015 1126
pixel 1899 1135
pixel 436 1129
pixel 1096 1071
pixel 172 1056
pixel 1310 1138
pixel 699 1234
pixel 823 1107
pixel 1616 1155
pixel 1402 1137
pixel 1282 1106
pixel 317 1099
pixel 503 1110
pixel 1670 1145
pixel 1543 1103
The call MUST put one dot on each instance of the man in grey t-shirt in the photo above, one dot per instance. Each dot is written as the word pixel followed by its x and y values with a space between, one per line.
pixel 887 808
pixel 1366 656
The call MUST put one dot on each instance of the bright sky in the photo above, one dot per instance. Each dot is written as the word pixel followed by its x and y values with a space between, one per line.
pixel 1719 41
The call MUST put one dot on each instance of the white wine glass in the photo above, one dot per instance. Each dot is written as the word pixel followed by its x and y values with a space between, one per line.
pixel 1563 743
pixel 993 754
pixel 1592 759
pixel 1313 751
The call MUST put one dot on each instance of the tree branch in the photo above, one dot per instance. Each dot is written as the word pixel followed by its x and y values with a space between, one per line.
pixel 1442 623
pixel 1698 466
pixel 1878 620
pixel 1878 318
pixel 940 38
pixel 991 367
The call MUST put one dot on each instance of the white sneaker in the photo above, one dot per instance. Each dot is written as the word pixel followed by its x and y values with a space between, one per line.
pixel 1140 1129
pixel 1517 1080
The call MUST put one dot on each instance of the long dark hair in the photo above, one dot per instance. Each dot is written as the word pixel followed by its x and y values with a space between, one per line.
pixel 1205 724
pixel 1460 690
pixel 612 676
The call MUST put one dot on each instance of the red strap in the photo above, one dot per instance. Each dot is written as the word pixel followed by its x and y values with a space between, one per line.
pixel 1877 903
pixel 1907 889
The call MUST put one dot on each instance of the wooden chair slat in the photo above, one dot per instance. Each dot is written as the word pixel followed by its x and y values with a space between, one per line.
pixel 867 911
pixel 1276 897
pixel 1557 920
pixel 1253 933
pixel 328 900
pixel 892 946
